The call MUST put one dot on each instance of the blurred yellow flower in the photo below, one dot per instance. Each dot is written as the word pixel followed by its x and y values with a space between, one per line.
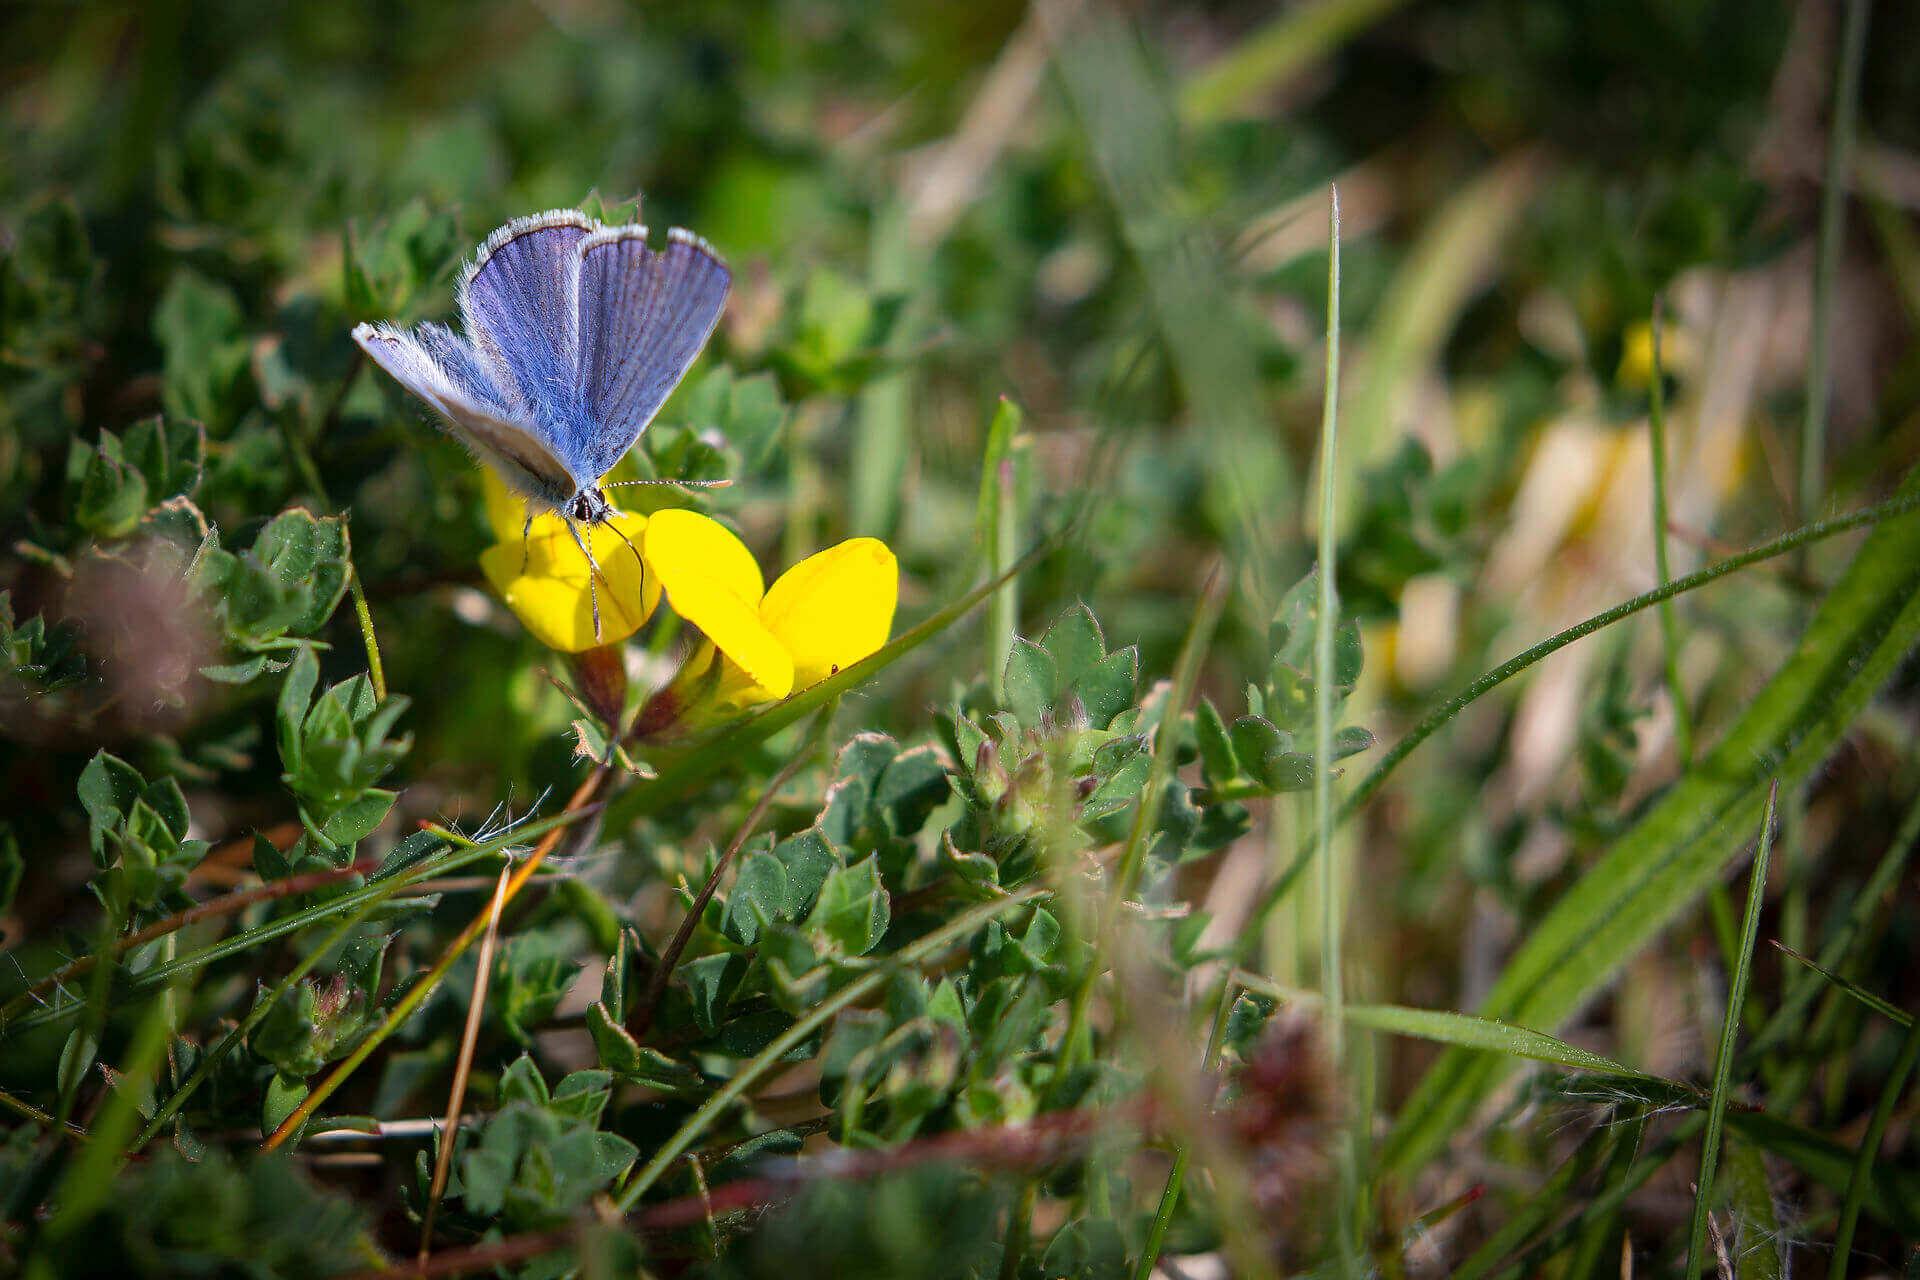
pixel 544 578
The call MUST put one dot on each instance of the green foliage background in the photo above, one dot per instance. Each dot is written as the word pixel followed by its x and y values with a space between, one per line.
pixel 949 1010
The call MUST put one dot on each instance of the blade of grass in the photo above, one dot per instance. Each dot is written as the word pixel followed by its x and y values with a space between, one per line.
pixel 1132 133
pixel 1729 1038
pixel 1183 1150
pixel 1884 1008
pixel 1669 624
pixel 1867 624
pixel 1833 198
pixel 1264 62
pixel 1464 1030
pixel 90 1178
pixel 768 1058
pixel 1861 1174
pixel 463 1064
pixel 1332 951
pixel 1861 907
pixel 1907 502
pixel 279 928
pixel 999 526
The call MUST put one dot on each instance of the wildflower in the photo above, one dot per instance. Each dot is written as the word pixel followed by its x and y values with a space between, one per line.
pixel 758 644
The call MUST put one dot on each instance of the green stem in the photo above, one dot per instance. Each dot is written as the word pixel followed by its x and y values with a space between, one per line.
pixel 1729 1038
pixel 1183 1152
pixel 1332 952
pixel 1840 131
pixel 1435 719
pixel 376 671
pixel 1862 1172
pixel 1669 625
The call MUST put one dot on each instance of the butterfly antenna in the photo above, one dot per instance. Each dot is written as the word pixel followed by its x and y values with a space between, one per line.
pixel 593 570
pixel 679 484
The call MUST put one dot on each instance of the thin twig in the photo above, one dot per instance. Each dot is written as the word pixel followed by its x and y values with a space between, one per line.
pixel 469 1037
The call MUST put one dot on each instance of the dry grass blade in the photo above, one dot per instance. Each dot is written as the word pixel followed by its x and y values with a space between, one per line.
pixel 463 1065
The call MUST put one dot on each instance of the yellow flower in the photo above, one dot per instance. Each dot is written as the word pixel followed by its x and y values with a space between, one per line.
pixel 760 644
pixel 544 578
pixel 827 612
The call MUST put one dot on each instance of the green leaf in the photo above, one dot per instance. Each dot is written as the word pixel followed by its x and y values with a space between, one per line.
pixel 113 496
pixel 284 1096
pixel 912 786
pixel 1075 644
pixel 358 818
pixel 296 691
pixel 521 1082
pixel 1109 686
pixel 759 897
pixel 852 910
pixel 1217 760
pixel 108 787
pixel 808 860
pixel 1032 682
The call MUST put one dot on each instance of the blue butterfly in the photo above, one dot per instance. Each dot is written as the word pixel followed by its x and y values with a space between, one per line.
pixel 576 334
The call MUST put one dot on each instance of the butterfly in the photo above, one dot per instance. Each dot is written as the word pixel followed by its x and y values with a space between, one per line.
pixel 576 334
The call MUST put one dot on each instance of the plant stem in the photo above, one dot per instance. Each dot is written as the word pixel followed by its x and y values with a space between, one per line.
pixel 1183 1150
pixel 1346 1214
pixel 1861 1174
pixel 1669 624
pixel 1729 1038
pixel 1833 194
pixel 463 1064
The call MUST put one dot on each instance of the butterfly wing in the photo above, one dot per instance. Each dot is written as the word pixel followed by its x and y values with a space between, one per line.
pixel 519 302
pixel 643 317
pixel 447 372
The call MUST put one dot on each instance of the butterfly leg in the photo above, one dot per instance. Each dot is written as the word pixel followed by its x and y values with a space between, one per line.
pixel 526 550
pixel 593 571
pixel 638 562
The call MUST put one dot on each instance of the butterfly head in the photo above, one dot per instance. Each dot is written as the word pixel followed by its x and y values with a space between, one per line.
pixel 588 506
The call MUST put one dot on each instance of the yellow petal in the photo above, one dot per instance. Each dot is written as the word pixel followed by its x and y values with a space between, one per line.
pixel 711 580
pixel 544 580
pixel 506 510
pixel 833 608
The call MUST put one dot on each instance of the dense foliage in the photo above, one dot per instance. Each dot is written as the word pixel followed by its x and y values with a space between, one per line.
pixel 1111 916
